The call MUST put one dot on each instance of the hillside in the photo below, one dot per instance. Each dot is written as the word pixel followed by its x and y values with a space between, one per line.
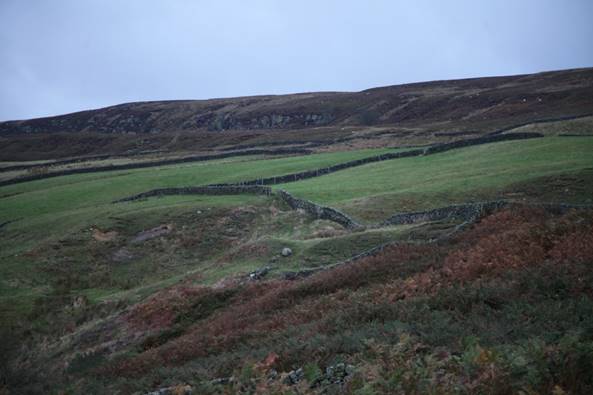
pixel 161 292
pixel 446 248
pixel 413 112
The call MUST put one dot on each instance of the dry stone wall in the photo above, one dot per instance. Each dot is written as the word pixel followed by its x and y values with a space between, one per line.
pixel 319 212
pixel 480 140
pixel 469 213
pixel 128 166
pixel 288 177
pixel 388 156
pixel 465 212
pixel 205 190
pixel 548 120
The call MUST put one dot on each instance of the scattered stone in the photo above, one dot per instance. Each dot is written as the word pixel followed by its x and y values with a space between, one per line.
pixel 337 374
pixel 294 376
pixel 272 375
pixel 260 273
pixel 286 252
pixel 223 381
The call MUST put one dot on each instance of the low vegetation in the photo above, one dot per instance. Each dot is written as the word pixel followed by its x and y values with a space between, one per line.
pixel 104 298
pixel 502 308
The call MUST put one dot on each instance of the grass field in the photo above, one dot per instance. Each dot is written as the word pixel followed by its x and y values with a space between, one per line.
pixel 376 190
pixel 46 210
pixel 90 189
pixel 48 213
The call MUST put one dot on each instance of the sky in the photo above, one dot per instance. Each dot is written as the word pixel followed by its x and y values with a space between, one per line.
pixel 61 56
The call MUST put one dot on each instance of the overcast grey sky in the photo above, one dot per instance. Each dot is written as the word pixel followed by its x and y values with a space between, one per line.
pixel 66 55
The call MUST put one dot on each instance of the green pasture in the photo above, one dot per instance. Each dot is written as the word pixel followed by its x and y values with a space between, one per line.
pixel 376 190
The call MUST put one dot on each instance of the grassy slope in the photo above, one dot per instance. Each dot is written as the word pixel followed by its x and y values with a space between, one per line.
pixel 50 212
pixel 56 196
pixel 376 190
pixel 68 205
pixel 504 309
pixel 54 213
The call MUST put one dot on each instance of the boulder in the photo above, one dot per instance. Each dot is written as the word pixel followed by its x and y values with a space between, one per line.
pixel 260 273
pixel 286 252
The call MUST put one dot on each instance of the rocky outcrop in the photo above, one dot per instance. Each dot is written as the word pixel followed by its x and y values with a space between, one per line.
pixel 226 121
pixel 480 101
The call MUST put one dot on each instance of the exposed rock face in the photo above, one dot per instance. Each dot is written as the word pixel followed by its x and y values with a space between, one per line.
pixel 512 98
pixel 270 121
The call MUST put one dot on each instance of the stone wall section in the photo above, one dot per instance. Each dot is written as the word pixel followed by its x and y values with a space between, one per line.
pixel 547 120
pixel 388 156
pixel 480 140
pixel 206 190
pixel 164 162
pixel 464 212
pixel 319 212
pixel 470 213
pixel 288 177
